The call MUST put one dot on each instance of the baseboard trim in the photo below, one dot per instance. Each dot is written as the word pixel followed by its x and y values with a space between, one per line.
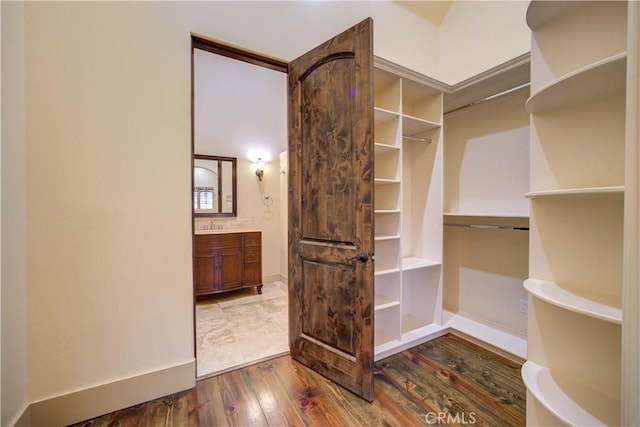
pixel 505 344
pixel 270 278
pixel 96 401
pixel 21 419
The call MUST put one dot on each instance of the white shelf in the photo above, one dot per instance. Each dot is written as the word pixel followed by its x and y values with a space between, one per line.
pixel 382 302
pixel 554 294
pixel 381 269
pixel 486 215
pixel 381 237
pixel 384 342
pixel 385 181
pixel 615 191
pixel 486 219
pixel 597 80
pixel 565 398
pixel 385 346
pixel 412 126
pixel 543 12
pixel 384 148
pixel 387 211
pixel 409 339
pixel 412 263
pixel 381 115
pixel 413 328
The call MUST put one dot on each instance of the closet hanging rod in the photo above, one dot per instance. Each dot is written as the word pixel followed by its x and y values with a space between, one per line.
pixel 488 98
pixel 417 138
pixel 488 227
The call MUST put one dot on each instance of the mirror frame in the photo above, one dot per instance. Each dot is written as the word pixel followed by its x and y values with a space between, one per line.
pixel 234 188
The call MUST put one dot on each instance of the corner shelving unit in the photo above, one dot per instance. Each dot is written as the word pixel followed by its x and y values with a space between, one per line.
pixel 577 107
pixel 589 305
pixel 408 212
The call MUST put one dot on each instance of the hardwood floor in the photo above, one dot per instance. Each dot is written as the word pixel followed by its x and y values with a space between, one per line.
pixel 417 387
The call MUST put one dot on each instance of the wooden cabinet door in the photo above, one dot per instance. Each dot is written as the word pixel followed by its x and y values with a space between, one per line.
pixel 230 264
pixel 205 274
pixel 331 209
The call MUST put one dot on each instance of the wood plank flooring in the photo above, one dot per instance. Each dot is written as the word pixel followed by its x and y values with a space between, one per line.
pixel 447 381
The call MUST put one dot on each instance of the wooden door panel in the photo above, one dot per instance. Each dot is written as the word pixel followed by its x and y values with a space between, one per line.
pixel 331 209
pixel 328 169
pixel 328 300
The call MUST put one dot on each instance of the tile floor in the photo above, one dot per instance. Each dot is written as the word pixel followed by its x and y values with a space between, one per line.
pixel 239 328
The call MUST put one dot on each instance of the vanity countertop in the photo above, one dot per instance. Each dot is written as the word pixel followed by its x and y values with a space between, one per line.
pixel 228 231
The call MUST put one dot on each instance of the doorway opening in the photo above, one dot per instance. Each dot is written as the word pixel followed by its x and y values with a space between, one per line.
pixel 239 110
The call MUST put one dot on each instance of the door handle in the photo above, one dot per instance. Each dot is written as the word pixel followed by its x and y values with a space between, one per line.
pixel 362 257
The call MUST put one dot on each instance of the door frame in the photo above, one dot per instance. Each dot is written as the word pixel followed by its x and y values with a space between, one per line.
pixel 232 52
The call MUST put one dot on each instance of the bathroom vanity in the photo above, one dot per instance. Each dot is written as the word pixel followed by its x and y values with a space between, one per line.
pixel 226 260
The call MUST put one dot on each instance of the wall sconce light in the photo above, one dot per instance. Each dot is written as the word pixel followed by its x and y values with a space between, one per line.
pixel 260 165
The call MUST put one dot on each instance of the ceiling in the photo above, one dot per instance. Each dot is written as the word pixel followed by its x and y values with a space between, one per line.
pixel 434 11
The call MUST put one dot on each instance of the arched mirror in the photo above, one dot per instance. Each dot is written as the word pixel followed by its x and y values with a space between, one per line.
pixel 214 186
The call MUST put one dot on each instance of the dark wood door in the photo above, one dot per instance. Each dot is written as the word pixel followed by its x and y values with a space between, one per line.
pixel 331 209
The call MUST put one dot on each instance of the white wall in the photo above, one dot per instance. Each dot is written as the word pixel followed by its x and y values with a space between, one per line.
pixel 478 35
pixel 13 280
pixel 108 200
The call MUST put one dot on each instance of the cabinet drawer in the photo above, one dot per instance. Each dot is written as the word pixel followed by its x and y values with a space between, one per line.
pixel 252 239
pixel 207 243
pixel 252 255
pixel 252 274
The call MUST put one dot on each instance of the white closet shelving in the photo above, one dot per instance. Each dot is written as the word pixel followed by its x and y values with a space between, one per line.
pixel 408 212
pixel 486 220
pixel 577 107
pixel 617 190
pixel 588 305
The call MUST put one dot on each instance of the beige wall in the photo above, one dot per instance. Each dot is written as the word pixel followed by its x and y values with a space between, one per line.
pixel 108 202
pixel 478 35
pixel 265 215
pixel 284 216
pixel 13 280
pixel 487 157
